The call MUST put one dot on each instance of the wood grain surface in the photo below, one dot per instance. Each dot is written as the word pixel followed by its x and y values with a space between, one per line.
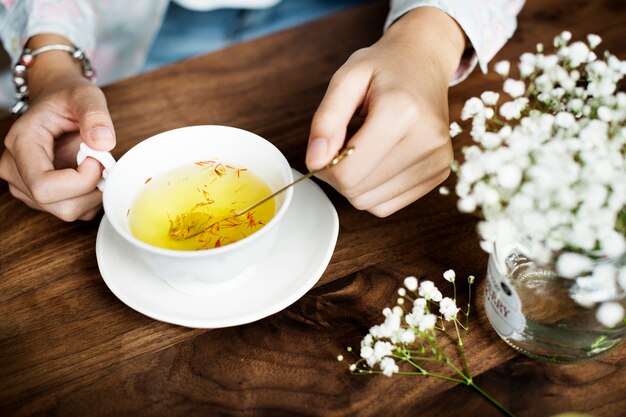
pixel 69 347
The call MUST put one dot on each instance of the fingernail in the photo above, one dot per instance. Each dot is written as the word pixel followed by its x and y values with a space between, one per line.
pixel 318 151
pixel 101 135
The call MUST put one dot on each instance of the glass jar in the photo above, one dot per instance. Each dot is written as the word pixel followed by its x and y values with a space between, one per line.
pixel 532 309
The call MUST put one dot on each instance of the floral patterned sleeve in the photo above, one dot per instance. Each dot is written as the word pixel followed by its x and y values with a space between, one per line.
pixel 488 24
pixel 21 19
pixel 116 34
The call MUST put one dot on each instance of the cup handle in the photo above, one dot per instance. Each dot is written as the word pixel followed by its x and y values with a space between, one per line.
pixel 105 158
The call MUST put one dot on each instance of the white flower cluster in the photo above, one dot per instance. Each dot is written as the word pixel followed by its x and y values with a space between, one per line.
pixel 387 343
pixel 548 167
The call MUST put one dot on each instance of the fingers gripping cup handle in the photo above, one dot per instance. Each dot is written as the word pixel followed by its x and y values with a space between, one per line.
pixel 105 158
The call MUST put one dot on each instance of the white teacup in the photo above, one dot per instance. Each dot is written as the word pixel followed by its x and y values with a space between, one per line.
pixel 204 271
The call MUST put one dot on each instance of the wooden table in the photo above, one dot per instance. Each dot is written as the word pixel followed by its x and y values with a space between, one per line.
pixel 69 347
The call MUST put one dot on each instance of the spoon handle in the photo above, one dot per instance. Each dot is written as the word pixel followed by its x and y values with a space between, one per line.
pixel 341 155
pixel 269 197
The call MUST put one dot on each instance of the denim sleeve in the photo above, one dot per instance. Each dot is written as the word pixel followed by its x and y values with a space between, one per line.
pixel 22 19
pixel 488 24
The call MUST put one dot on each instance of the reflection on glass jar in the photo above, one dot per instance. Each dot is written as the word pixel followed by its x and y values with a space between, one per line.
pixel 531 308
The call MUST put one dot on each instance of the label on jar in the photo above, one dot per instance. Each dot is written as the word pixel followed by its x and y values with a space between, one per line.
pixel 502 304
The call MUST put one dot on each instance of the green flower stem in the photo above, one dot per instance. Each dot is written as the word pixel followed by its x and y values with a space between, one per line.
pixel 417 366
pixel 496 121
pixel 427 343
pixel 469 301
pixel 466 380
pixel 419 358
pixel 489 398
pixel 461 349
pixel 452 366
pixel 434 343
pixel 434 375
pixel 447 378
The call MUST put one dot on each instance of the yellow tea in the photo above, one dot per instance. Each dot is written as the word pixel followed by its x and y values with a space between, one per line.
pixel 201 199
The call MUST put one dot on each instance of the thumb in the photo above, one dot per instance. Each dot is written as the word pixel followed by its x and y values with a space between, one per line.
pixel 96 127
pixel 346 92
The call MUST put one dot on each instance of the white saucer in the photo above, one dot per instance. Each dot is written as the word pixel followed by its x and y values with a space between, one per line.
pixel 300 256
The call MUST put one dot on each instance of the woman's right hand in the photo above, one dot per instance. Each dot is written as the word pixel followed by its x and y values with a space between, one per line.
pixel 39 162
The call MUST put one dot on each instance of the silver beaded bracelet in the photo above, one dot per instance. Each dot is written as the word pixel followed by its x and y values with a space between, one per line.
pixel 26 60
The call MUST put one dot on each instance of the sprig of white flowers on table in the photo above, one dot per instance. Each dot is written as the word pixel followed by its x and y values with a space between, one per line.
pixel 411 334
pixel 548 167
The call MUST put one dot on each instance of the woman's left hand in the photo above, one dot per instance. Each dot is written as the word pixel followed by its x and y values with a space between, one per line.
pixel 400 85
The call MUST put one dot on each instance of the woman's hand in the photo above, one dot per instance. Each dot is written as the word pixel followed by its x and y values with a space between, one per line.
pixel 39 161
pixel 400 85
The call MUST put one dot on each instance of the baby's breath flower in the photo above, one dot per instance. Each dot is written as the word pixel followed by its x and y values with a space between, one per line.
pixel 594 40
pixel 429 291
pixel 407 336
pixel 491 140
pixel 448 308
pixel 514 88
pixel 449 275
pixel 505 132
pixel 413 319
pixel 601 88
pixel 443 190
pixel 610 314
pixel 401 292
pixel 613 244
pixel 389 366
pixel 575 105
pixel 427 322
pixel 410 283
pixel 526 69
pixel 565 120
pixel 367 352
pixel 490 98
pixel 382 349
pixel 467 205
pixel 605 114
pixel 455 129
pixel 339 358
pixel 502 68
pixel 509 176
pixel 471 279
pixel 415 344
pixel 472 171
pixel 419 305
pixel 472 107
pixel 566 113
pixel 527 64
pixel 571 265
pixel 578 53
pixel 512 110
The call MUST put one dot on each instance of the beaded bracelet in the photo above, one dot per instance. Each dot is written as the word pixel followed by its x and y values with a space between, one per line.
pixel 26 60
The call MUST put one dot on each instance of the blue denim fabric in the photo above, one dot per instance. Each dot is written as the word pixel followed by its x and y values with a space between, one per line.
pixel 187 33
